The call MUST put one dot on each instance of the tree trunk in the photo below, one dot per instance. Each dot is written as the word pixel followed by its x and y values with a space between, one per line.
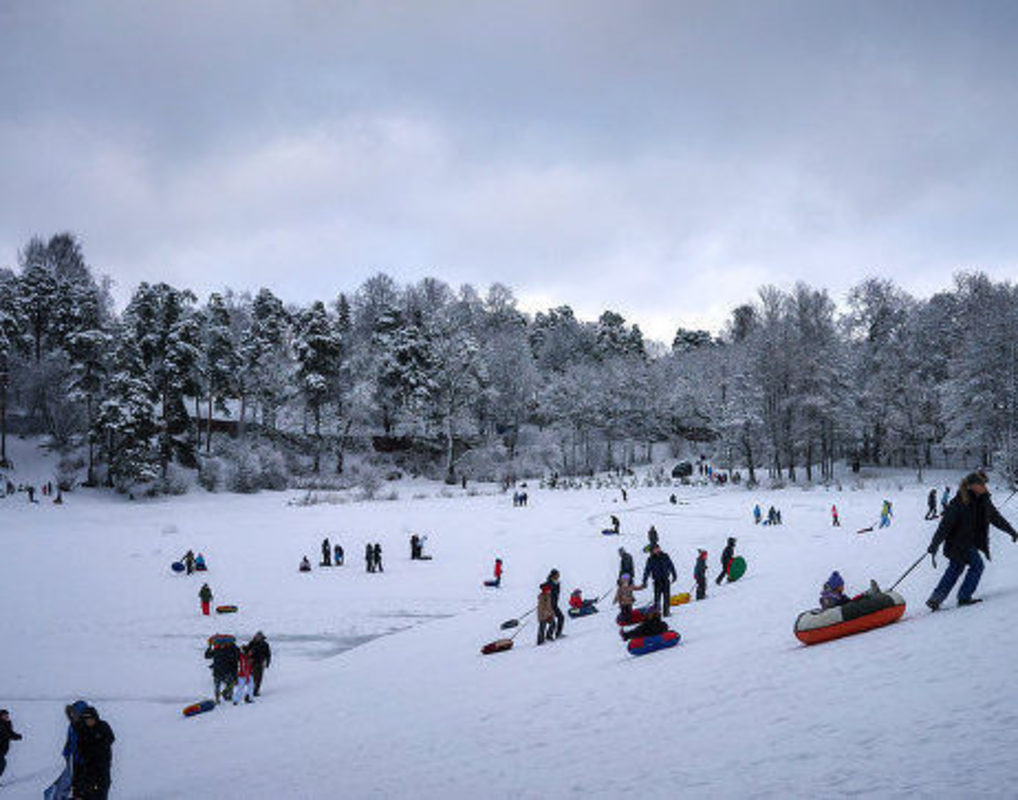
pixel 208 428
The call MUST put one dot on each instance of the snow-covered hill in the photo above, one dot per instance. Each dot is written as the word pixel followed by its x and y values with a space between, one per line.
pixel 91 610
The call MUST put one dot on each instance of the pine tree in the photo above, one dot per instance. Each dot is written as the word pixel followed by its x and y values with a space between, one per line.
pixel 218 362
pixel 317 349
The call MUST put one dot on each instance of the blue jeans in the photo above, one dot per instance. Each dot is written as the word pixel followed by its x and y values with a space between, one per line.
pixel 954 570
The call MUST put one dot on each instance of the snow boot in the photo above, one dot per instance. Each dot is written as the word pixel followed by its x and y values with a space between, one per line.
pixel 971 601
pixel 933 604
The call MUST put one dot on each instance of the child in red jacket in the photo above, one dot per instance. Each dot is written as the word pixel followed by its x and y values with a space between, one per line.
pixel 244 681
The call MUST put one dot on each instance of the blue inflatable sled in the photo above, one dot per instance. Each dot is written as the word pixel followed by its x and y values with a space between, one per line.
pixel 642 645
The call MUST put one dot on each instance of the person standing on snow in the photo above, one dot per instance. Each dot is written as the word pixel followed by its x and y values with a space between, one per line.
pixel 497 580
pixel 757 514
pixel 188 559
pixel 7 735
pixel 726 560
pixel 377 553
pixel 369 557
pixel 945 498
pixel 661 568
pixel 835 520
pixel 964 530
pixel 243 676
pixel 625 563
pixel 261 657
pixel 545 615
pixel 225 657
pixel 337 555
pixel 556 588
pixel 91 780
pixel 931 505
pixel 205 596
pixel 700 574
pixel 624 596
pixel 886 512
pixel 326 553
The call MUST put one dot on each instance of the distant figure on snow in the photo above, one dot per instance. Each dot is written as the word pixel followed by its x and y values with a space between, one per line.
pixel 835 520
pixel 931 505
pixel 964 530
pixel 377 552
pixel 945 499
pixel 700 574
pixel 244 681
pixel 337 555
pixel 886 512
pixel 188 559
pixel 415 547
pixel 615 523
pixel 305 565
pixel 497 580
pixel 326 553
pixel 757 514
pixel 369 557
pixel 199 563
pixel 624 596
pixel 205 596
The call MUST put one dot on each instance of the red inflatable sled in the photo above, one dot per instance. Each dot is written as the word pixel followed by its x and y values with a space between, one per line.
pixel 865 612
pixel 638 615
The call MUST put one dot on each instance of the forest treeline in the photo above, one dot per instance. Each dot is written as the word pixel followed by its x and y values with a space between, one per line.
pixel 254 392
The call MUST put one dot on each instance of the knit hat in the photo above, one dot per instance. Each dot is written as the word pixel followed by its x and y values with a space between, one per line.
pixel 625 576
pixel 90 712
pixel 835 581
pixel 975 478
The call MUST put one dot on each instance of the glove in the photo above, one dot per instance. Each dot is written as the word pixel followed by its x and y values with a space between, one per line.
pixel 933 557
pixel 1014 537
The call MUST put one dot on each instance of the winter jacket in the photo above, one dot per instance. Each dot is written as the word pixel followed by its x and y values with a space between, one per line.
pixel 224 660
pixel 727 554
pixel 830 598
pixel 660 567
pixel 576 600
pixel 243 665
pixel 624 594
pixel 700 570
pixel 7 735
pixel 626 565
pixel 967 525
pixel 498 570
pixel 556 587
pixel 260 651
pixel 95 745
pixel 545 610
pixel 205 594
pixel 71 744
pixel 931 500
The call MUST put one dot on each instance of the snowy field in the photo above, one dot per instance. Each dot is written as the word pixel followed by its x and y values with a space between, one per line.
pixel 377 687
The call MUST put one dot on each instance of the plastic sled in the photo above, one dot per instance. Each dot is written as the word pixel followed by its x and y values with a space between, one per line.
pixel 497 646
pixel 642 645
pixel 736 568
pixel 199 708
pixel 226 609
pixel 178 566
pixel 679 599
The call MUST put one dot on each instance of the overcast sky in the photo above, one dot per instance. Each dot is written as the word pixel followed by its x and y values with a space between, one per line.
pixel 662 159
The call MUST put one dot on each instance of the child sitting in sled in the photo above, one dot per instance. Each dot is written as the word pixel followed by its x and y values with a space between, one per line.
pixel 833 593
pixel 577 603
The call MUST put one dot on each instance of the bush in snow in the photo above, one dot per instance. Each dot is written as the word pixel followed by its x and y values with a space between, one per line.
pixel 67 472
pixel 215 474
pixel 177 480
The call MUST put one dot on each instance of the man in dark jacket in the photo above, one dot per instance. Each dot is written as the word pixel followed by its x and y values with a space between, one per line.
pixel 964 530
pixel 7 735
pixel 261 657
pixel 625 563
pixel 556 588
pixel 225 659
pixel 726 558
pixel 326 553
pixel 660 567
pixel 95 751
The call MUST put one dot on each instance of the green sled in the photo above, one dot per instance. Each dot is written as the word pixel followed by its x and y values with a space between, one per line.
pixel 737 568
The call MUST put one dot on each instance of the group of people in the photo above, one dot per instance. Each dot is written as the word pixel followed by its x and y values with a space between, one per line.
pixel 773 516
pixel 550 619
pixel 46 490
pixel 331 555
pixel 519 499
pixel 193 563
pixel 373 557
pixel 417 548
pixel 237 671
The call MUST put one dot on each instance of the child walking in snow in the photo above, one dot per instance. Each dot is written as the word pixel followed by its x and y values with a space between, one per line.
pixel 835 522
pixel 244 680
pixel 497 581
pixel 7 735
pixel 545 615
